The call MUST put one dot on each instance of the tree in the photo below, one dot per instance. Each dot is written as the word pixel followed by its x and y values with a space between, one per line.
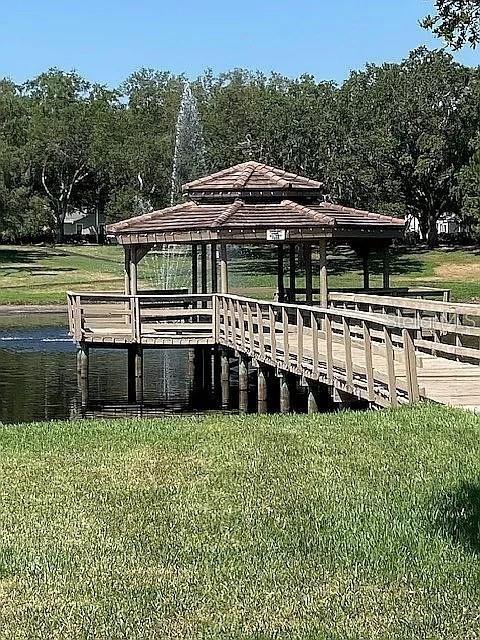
pixel 63 110
pixel 456 21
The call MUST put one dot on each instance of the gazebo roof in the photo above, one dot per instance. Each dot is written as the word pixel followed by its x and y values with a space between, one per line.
pixel 241 221
pixel 251 178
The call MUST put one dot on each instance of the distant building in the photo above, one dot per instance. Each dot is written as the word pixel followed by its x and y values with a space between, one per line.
pixel 82 224
pixel 447 225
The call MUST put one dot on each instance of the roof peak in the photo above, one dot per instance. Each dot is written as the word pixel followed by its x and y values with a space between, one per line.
pixel 252 176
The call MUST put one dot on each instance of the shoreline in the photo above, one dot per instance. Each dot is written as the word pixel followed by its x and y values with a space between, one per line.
pixel 14 309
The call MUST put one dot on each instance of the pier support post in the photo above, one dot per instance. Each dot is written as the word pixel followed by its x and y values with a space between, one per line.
pixel 225 378
pixel 82 372
pixel 285 401
pixel 135 374
pixel 243 383
pixel 313 396
pixel 262 389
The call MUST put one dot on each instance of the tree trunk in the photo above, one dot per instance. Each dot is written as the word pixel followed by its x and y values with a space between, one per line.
pixel 432 234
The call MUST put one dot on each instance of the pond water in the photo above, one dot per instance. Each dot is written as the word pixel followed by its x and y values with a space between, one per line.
pixel 38 378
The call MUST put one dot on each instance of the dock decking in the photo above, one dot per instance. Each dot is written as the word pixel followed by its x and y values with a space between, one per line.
pixel 385 350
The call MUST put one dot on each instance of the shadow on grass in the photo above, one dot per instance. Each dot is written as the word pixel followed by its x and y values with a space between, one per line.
pixel 457 516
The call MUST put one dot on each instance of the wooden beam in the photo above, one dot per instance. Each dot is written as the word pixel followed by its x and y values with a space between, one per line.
pixel 307 252
pixel 284 393
pixel 225 378
pixel 223 268
pixel 323 273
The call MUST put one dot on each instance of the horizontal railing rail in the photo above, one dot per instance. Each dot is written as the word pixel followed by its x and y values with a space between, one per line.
pixel 446 329
pixel 405 292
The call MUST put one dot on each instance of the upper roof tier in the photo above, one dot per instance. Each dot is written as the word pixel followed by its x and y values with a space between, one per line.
pixel 252 179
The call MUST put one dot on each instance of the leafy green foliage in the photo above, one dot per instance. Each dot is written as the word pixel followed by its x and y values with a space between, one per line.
pixel 456 21
pixel 395 138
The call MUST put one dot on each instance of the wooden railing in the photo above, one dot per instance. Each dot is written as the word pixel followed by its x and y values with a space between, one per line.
pixel 370 356
pixel 111 317
pixel 446 329
pixel 426 293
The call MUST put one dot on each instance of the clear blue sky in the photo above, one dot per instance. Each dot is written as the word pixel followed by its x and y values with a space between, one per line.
pixel 106 40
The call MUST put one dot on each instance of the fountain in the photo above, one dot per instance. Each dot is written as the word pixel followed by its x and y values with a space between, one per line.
pixel 168 267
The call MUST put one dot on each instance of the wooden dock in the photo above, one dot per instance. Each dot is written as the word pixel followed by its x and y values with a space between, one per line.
pixel 383 350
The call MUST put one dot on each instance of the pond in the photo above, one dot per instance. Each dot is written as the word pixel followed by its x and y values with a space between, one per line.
pixel 38 378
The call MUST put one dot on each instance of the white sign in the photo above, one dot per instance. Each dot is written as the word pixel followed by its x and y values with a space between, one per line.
pixel 276 234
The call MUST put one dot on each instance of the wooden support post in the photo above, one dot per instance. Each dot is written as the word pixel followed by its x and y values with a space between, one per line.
pixel 307 252
pixel 127 252
pixel 203 261
pixel 284 393
pixel 280 281
pixel 386 267
pixel 225 378
pixel 243 383
pixel 194 268
pixel 292 273
pixel 312 403
pixel 131 374
pixel 223 268
pixel 323 273
pixel 138 374
pixel 366 268
pixel 82 372
pixel 262 389
pixel 133 271
pixel 214 271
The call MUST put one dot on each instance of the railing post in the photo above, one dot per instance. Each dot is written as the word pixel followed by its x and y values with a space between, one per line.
pixel 367 342
pixel 314 323
pixel 273 336
pixel 410 365
pixel 299 338
pixel 329 347
pixel 286 342
pixel 347 341
pixel 392 382
pixel 261 339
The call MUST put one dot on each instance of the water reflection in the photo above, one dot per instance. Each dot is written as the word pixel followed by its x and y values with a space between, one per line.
pixel 38 376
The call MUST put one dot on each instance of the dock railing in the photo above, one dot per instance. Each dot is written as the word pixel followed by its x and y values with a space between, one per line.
pixel 370 356
pixel 119 318
pixel 446 329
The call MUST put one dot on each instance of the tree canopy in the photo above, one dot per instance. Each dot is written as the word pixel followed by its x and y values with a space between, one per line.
pixel 456 21
pixel 403 139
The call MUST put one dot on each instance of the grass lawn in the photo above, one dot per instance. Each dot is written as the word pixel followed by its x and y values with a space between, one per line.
pixel 346 526
pixel 41 275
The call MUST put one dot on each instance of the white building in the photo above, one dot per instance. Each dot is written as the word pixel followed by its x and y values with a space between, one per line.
pixel 83 223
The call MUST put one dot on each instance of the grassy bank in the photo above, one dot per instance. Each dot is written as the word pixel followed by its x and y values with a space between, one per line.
pixel 346 526
pixel 41 275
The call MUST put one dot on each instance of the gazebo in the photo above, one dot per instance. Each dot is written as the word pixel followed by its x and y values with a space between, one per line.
pixel 255 204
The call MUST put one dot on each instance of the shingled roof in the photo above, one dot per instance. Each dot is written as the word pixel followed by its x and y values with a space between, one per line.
pixel 239 221
pixel 251 177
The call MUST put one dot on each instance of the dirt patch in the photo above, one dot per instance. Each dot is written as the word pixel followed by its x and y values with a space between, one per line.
pixel 458 271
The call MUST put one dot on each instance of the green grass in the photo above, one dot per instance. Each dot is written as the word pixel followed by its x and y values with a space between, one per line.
pixel 41 275
pixel 347 526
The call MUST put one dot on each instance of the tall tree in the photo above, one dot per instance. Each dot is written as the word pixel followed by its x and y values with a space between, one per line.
pixel 456 21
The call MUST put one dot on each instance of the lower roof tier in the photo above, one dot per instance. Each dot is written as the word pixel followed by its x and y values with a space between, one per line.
pixel 241 221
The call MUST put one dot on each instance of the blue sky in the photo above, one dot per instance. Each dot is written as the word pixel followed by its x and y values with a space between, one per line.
pixel 106 40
